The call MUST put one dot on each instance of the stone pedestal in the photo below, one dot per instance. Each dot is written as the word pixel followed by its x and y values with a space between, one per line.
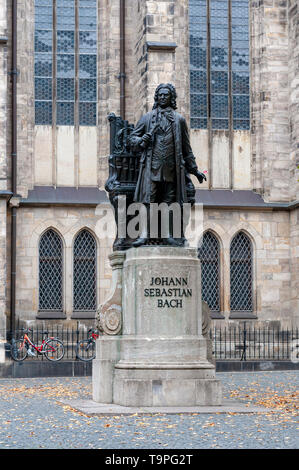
pixel 160 359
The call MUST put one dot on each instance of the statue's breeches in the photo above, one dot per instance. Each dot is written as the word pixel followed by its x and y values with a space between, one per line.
pixel 163 192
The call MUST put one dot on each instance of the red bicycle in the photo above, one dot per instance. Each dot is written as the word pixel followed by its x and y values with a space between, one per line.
pixel 86 348
pixel 51 347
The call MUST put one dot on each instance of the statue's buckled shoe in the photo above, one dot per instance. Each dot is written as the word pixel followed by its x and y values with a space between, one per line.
pixel 172 242
pixel 139 242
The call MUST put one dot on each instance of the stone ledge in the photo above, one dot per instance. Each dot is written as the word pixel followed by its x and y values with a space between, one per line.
pixel 254 365
pixel 83 315
pixel 27 369
pixel 242 316
pixel 161 46
pixel 91 407
pixel 5 194
pixel 40 368
pixel 51 316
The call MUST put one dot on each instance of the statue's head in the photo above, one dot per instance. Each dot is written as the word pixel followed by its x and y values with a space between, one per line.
pixel 165 95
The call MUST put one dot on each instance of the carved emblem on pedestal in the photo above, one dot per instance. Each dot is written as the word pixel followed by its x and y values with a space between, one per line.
pixel 109 314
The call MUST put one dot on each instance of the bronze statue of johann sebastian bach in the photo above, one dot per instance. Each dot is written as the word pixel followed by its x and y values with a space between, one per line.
pixel 152 164
pixel 166 159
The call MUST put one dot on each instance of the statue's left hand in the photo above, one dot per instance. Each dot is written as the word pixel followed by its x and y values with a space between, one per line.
pixel 200 176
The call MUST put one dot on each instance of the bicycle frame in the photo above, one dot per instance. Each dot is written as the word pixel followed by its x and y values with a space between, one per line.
pixel 39 349
pixel 93 336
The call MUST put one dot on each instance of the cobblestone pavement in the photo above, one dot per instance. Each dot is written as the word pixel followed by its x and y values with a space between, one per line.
pixel 31 417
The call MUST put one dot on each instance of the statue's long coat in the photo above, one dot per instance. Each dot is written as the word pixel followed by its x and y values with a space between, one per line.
pixel 184 158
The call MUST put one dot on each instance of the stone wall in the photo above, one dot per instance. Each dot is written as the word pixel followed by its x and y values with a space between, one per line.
pixel 263 164
pixel 2 270
pixel 108 81
pixel 270 110
pixel 264 159
pixel 3 172
pixel 3 97
pixel 156 25
pixel 32 223
pixel 275 296
pixel 25 90
pixel 294 94
pixel 270 236
pixel 158 43
pixel 293 17
pixel 294 265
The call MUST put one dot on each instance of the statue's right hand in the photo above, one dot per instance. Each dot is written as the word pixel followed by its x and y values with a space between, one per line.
pixel 146 138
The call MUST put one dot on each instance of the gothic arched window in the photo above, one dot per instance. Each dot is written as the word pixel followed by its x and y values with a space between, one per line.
pixel 241 298
pixel 209 254
pixel 84 288
pixel 50 271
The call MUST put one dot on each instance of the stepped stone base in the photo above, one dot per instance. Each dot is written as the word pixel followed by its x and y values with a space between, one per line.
pixel 161 357
pixel 162 391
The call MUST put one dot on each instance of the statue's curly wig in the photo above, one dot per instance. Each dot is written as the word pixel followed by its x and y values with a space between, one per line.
pixel 171 88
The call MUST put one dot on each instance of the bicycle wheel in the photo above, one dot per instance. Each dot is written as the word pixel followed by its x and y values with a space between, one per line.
pixel 54 349
pixel 86 350
pixel 18 350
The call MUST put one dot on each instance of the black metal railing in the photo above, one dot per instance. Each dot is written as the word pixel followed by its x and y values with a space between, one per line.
pixel 246 342
pixel 70 336
pixel 237 342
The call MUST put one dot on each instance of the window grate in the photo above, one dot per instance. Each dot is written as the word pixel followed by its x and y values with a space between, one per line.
pixel 241 273
pixel 209 254
pixel 85 272
pixel 50 272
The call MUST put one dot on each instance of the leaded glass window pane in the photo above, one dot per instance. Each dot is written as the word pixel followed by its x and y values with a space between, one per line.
pixel 88 41
pixel 65 65
pixel 65 89
pixel 43 112
pixel 85 272
pixel 197 123
pixel 66 49
pixel 87 66
pixel 198 80
pixel 241 273
pixel 87 63
pixel 209 255
pixel 240 64
pixel 219 82
pixel 87 112
pixel 198 63
pixel 50 271
pixel 66 41
pixel 219 36
pixel 88 90
pixel 65 114
pixel 43 89
pixel 43 43
pixel 65 62
pixel 43 65
pixel 199 105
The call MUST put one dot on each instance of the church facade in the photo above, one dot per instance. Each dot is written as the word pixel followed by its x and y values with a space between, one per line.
pixel 65 65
